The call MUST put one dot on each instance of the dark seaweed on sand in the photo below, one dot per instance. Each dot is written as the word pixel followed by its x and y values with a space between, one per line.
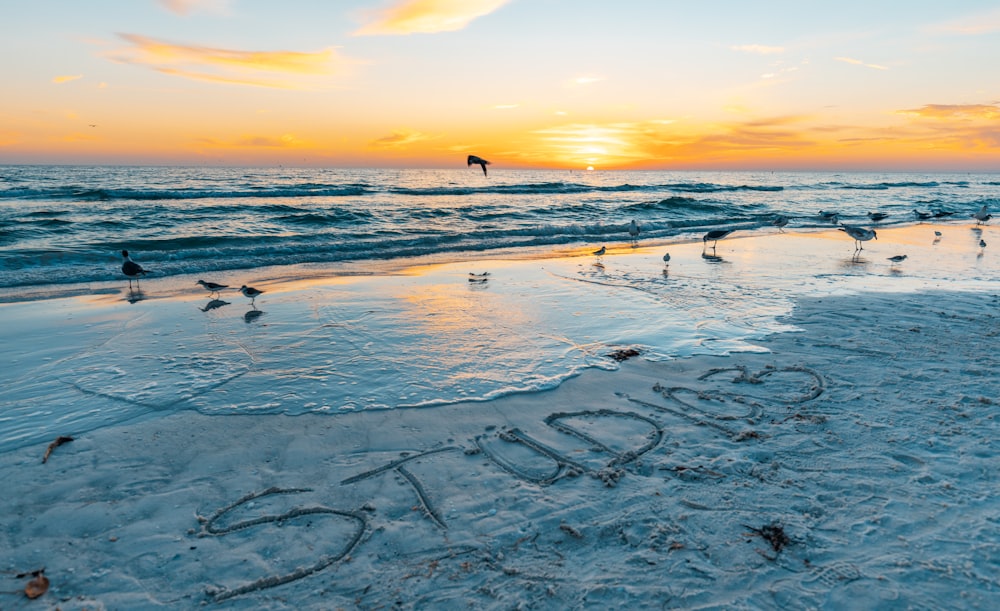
pixel 624 354
pixel 774 534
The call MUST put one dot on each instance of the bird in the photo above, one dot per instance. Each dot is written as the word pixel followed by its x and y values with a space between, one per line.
pixel 982 216
pixel 897 258
pixel 860 234
pixel 600 251
pixel 982 243
pixel 877 216
pixel 923 216
pixel 250 292
pixel 482 162
pixel 666 258
pixel 212 287
pixel 780 222
pixel 829 216
pixel 715 235
pixel 942 213
pixel 633 230
pixel 132 269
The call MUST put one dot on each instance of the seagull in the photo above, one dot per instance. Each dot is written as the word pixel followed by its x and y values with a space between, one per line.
pixel 132 269
pixel 923 216
pixel 600 251
pixel 249 291
pixel 860 234
pixel 780 222
pixel 212 287
pixel 715 235
pixel 633 230
pixel 897 258
pixel 877 216
pixel 828 216
pixel 482 162
pixel 982 216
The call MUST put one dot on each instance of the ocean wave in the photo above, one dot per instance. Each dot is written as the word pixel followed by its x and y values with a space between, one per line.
pixel 108 194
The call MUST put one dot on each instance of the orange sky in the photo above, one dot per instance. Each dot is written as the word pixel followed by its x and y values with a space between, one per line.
pixel 524 83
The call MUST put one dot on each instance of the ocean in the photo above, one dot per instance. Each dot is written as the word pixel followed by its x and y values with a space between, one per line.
pixel 66 225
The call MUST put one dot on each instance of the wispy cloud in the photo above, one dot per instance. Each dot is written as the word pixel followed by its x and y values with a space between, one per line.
pixel 400 139
pixel 232 66
pixel 427 16
pixel 987 112
pixel 758 49
pixel 284 141
pixel 586 80
pixel 59 80
pixel 971 25
pixel 858 62
pixel 186 7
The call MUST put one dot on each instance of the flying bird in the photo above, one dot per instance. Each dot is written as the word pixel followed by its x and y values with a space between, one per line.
pixel 212 287
pixel 860 234
pixel 715 235
pixel 132 269
pixel 482 162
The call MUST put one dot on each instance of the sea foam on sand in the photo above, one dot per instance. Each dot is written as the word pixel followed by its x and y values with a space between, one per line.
pixel 848 462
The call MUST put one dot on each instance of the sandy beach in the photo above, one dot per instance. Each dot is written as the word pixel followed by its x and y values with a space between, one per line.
pixel 827 439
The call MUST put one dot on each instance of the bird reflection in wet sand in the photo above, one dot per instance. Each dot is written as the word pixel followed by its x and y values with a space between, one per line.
pixel 215 303
pixel 252 315
pixel 711 258
pixel 135 296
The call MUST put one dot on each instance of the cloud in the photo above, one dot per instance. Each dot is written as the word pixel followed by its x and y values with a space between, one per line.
pixel 230 66
pixel 972 25
pixel 986 112
pixel 185 7
pixel 758 49
pixel 858 62
pixel 427 16
pixel 400 139
pixel 586 80
pixel 59 80
pixel 285 141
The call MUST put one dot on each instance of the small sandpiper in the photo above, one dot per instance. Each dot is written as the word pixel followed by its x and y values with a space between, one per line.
pixel 212 287
pixel 250 292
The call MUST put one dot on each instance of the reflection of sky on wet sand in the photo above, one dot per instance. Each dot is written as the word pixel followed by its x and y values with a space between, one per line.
pixel 427 335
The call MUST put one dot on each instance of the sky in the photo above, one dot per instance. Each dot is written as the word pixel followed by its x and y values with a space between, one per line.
pixel 551 84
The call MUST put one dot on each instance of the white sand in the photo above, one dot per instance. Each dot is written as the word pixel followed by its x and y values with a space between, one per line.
pixel 867 436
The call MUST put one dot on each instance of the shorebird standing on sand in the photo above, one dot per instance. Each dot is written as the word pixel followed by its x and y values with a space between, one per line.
pixel 666 259
pixel 600 251
pixel 877 216
pixel 897 259
pixel 213 288
pixel 715 235
pixel 860 234
pixel 252 293
pixel 982 216
pixel 482 162
pixel 780 223
pixel 633 231
pixel 132 269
